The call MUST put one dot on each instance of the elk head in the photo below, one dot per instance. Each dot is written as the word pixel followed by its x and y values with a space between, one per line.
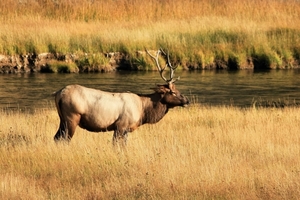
pixel 170 95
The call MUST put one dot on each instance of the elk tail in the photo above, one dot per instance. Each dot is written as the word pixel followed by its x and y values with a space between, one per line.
pixel 54 93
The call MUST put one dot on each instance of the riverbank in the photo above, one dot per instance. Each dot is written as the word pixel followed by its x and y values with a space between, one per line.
pixel 199 152
pixel 114 61
pixel 207 34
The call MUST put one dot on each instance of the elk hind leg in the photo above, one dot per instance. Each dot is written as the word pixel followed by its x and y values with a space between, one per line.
pixel 120 138
pixel 62 132
pixel 66 129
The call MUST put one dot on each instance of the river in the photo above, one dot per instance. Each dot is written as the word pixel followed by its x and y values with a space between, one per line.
pixel 238 88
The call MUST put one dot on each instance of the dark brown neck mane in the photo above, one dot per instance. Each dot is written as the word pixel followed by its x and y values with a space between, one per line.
pixel 154 110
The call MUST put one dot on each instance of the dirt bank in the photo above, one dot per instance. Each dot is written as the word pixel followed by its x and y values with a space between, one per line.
pixel 112 61
pixel 55 62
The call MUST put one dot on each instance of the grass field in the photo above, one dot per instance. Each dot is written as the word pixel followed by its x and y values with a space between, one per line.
pixel 199 152
pixel 199 34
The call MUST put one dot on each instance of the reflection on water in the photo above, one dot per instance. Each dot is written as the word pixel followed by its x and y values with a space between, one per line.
pixel 240 88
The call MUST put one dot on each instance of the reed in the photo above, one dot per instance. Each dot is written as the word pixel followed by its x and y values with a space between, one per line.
pixel 198 33
pixel 200 152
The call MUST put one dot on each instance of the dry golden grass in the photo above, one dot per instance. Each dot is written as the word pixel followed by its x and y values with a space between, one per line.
pixel 199 152
pixel 197 32
pixel 149 11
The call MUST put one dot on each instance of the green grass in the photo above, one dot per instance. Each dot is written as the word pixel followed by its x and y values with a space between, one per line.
pixel 59 67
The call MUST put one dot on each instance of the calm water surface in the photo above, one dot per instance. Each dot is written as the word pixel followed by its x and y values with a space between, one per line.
pixel 239 88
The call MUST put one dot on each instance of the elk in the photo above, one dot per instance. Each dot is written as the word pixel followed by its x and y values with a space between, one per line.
pixel 100 111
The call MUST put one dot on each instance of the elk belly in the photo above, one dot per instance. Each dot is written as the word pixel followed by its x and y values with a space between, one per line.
pixel 95 124
pixel 100 114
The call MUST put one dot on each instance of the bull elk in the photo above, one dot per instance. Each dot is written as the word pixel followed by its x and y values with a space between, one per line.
pixel 96 110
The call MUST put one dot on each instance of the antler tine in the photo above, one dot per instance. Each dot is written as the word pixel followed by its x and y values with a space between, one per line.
pixel 160 70
pixel 172 69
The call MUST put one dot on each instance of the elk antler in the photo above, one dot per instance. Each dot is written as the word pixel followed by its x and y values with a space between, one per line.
pixel 168 64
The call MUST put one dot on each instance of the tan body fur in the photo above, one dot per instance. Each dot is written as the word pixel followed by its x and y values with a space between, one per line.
pixel 97 110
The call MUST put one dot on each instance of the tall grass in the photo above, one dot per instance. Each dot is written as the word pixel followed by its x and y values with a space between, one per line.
pixel 199 34
pixel 199 152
